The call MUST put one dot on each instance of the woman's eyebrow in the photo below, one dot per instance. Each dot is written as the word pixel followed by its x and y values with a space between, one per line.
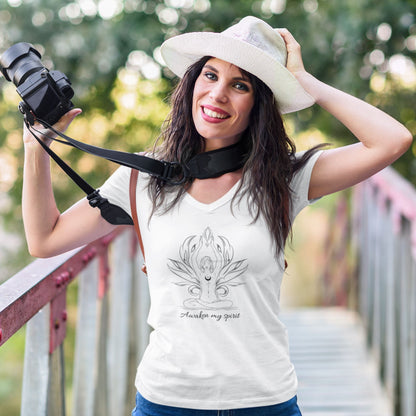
pixel 211 68
pixel 241 78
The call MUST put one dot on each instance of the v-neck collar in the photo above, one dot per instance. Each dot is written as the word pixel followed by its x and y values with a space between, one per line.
pixel 215 204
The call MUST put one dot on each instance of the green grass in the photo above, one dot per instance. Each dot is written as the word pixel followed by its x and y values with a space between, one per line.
pixel 11 372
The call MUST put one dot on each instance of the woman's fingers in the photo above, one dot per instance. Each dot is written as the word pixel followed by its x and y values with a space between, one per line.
pixel 45 134
pixel 294 56
pixel 67 119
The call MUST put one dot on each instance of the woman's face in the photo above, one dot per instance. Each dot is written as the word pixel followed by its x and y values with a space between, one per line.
pixel 222 101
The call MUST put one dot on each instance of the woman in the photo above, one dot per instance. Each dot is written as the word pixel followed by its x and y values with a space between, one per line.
pixel 214 246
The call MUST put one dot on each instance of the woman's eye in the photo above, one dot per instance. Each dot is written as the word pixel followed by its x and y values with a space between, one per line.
pixel 241 86
pixel 211 76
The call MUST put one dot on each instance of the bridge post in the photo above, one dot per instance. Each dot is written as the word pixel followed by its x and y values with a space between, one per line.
pixel 44 369
pixel 36 365
pixel 118 337
pixel 87 340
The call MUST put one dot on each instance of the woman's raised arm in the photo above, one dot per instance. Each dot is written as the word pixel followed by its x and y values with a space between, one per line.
pixel 382 139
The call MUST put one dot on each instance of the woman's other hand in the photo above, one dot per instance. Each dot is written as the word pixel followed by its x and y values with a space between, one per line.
pixel 47 135
pixel 294 61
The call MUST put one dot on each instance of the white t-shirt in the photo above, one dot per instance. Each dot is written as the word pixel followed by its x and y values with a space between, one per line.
pixel 214 286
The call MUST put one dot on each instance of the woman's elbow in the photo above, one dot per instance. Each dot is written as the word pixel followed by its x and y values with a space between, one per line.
pixel 402 142
pixel 406 141
pixel 39 250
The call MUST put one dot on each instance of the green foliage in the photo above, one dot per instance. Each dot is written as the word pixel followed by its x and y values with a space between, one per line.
pixel 11 371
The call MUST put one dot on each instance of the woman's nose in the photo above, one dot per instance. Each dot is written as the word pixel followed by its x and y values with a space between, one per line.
pixel 219 93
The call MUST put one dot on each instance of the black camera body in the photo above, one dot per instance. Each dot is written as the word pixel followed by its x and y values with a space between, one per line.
pixel 46 94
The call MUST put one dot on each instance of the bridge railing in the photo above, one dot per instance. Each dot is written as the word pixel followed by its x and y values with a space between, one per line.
pixel 384 238
pixel 111 330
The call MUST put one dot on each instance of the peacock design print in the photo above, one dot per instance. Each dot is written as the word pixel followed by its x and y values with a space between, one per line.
pixel 207 269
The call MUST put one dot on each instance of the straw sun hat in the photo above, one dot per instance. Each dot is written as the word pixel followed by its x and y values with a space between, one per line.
pixel 252 45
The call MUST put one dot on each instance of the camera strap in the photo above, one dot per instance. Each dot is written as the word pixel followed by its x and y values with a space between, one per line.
pixel 202 166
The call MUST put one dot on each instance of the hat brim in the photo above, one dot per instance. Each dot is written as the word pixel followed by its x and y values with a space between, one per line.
pixel 180 52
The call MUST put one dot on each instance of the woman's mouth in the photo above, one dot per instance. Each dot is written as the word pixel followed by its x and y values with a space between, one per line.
pixel 210 114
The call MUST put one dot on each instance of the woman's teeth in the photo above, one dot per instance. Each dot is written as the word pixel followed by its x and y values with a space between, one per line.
pixel 213 114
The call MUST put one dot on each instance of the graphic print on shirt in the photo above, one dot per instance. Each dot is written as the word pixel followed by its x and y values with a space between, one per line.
pixel 207 269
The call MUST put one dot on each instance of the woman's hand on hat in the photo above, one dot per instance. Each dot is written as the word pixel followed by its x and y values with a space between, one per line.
pixel 294 62
pixel 47 135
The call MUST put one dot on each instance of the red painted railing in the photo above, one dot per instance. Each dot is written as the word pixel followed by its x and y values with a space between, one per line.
pixel 385 240
pixel 44 281
pixel 111 332
pixel 371 266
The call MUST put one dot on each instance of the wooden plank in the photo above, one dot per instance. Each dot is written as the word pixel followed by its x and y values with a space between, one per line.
pixel 119 319
pixel 86 343
pixel 337 375
pixel 56 387
pixel 36 365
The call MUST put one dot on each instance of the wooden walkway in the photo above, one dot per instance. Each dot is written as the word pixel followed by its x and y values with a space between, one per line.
pixel 337 376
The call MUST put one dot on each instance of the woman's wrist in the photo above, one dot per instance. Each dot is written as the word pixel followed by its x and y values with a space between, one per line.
pixel 34 152
pixel 312 85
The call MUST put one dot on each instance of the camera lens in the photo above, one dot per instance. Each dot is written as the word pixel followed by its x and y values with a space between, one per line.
pixel 20 61
pixel 46 94
pixel 65 87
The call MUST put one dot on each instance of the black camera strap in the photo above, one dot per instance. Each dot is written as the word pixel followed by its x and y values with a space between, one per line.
pixel 202 166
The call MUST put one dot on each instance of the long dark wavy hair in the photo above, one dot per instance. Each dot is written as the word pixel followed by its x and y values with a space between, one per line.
pixel 268 170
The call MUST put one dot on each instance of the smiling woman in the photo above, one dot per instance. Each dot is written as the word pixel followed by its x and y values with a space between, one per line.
pixel 215 246
pixel 222 101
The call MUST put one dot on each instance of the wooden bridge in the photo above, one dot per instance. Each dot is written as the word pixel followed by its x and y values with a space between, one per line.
pixel 337 374
pixel 355 355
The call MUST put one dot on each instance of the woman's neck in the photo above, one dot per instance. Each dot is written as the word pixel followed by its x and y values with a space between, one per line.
pixel 214 144
pixel 210 190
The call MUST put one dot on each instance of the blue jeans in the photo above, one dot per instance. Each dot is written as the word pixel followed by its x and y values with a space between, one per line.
pixel 146 408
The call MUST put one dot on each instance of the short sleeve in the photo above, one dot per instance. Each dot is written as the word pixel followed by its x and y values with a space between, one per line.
pixel 300 184
pixel 116 188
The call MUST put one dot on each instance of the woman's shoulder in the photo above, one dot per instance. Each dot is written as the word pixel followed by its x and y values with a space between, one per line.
pixel 120 179
pixel 304 162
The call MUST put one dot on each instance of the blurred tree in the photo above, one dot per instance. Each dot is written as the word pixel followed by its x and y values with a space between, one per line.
pixel 110 51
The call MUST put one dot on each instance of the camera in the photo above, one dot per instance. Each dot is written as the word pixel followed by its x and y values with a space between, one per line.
pixel 46 94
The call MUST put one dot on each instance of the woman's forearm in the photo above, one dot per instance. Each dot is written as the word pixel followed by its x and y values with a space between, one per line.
pixel 40 212
pixel 377 131
pixel 374 128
